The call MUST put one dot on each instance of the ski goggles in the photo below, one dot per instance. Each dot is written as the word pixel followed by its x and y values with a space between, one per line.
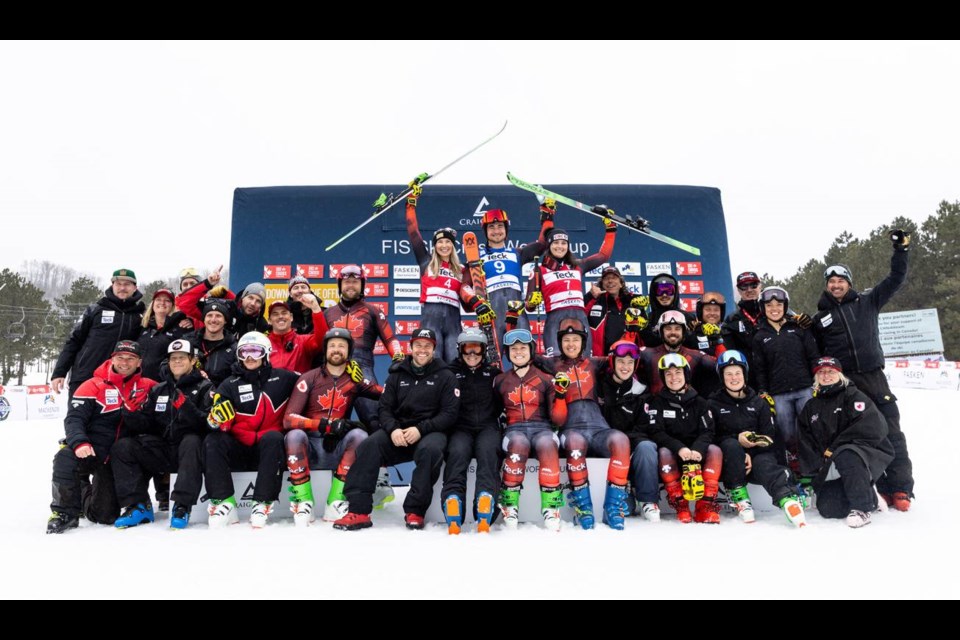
pixel 837 270
pixel 771 294
pixel 471 349
pixel 626 350
pixel 672 360
pixel 511 338
pixel 351 271
pixel 731 357
pixel 251 352
pixel 664 289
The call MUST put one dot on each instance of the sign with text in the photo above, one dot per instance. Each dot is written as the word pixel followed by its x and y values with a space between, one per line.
pixel 276 272
pixel 310 270
pixel 904 333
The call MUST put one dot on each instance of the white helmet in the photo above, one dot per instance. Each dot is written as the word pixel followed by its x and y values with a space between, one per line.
pixel 251 344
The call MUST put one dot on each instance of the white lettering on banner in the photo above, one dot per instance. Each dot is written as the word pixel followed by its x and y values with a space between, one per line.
pixel 406 272
pixel 595 273
pixel 634 287
pixel 405 308
pixel 396 247
pixel 406 291
pixel 527 269
pixel 630 268
pixel 654 268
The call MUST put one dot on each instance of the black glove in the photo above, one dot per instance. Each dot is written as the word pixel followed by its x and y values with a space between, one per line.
pixel 900 239
pixel 803 320
pixel 548 209
pixel 334 430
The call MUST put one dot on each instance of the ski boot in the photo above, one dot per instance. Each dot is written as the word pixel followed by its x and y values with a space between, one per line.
pixel 484 512
pixel 509 503
pixel 60 522
pixel 353 522
pixel 551 500
pixel 301 504
pixel 707 511
pixel 384 491
pixel 898 500
pixel 258 516
pixel 857 519
pixel 682 507
pixel 582 505
pixel 414 522
pixel 337 505
pixel 615 507
pixel 222 513
pixel 453 514
pixel 651 511
pixel 180 516
pixel 794 511
pixel 740 499
pixel 134 515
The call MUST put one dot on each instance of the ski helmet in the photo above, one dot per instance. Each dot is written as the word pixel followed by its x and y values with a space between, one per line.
pixel 522 336
pixel 572 326
pixel 624 349
pixel 351 271
pixel 254 345
pixel 495 215
pixel 732 358
pixel 838 270
pixel 673 361
pixel 672 317
pixel 471 336
pixel 712 298
pixel 342 334
pixel 779 294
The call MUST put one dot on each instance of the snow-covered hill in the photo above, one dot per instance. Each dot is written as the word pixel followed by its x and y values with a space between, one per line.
pixel 898 556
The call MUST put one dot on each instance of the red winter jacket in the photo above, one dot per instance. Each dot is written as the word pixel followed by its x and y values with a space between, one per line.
pixel 295 352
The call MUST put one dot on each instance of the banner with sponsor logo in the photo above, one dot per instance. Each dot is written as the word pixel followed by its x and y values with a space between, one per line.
pixel 43 404
pixel 905 333
pixel 310 270
pixel 326 293
pixel 13 404
pixel 920 374
pixel 384 250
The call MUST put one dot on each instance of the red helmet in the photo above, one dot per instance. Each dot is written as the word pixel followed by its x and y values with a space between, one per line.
pixel 495 215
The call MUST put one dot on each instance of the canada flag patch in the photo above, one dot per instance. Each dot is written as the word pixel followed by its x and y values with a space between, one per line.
pixel 859 406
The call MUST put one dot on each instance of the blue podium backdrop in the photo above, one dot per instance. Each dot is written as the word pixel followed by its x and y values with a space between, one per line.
pixel 280 231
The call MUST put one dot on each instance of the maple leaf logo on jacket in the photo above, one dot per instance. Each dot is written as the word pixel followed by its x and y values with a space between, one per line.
pixel 348 322
pixel 522 395
pixel 333 401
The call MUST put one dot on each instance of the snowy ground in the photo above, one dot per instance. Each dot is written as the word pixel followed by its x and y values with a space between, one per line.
pixel 898 556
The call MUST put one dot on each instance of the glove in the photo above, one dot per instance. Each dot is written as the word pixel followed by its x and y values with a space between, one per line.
pixel 803 320
pixel 709 329
pixel 561 382
pixel 758 439
pixel 693 325
pixel 639 302
pixel 221 413
pixel 548 209
pixel 610 226
pixel 420 179
pixel 398 356
pixel 535 299
pixel 635 320
pixel 900 239
pixel 335 430
pixel 218 291
pixel 773 405
pixel 485 313
pixel 514 310
pixel 414 195
pixel 602 210
pixel 355 372
pixel 691 481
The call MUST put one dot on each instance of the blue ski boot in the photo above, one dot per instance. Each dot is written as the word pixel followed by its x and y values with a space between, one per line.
pixel 133 516
pixel 582 505
pixel 485 511
pixel 453 513
pixel 179 517
pixel 615 507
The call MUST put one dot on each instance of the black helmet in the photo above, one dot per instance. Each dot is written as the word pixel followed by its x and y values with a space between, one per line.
pixel 343 334
pixel 572 326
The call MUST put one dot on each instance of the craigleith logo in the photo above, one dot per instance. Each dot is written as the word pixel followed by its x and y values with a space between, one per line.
pixel 474 220
pixel 4 409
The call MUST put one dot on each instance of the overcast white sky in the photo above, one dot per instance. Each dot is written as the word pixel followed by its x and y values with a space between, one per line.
pixel 128 154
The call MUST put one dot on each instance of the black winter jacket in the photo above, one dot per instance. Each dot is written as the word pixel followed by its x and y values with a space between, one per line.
pixel 103 325
pixel 174 408
pixel 154 342
pixel 848 330
pixel 480 404
pixel 838 419
pixel 624 409
pixel 216 357
pixel 732 416
pixel 685 419
pixel 783 359
pixel 429 401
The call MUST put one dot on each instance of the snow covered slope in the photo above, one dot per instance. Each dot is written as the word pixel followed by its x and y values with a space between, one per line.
pixel 898 556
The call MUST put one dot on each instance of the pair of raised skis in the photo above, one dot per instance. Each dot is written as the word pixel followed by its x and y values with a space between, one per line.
pixel 472 249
